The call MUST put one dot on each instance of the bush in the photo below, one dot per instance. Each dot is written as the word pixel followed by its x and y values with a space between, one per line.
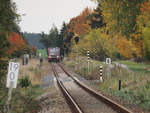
pixel 25 82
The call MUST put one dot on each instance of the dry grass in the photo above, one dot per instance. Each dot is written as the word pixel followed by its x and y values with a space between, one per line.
pixel 33 70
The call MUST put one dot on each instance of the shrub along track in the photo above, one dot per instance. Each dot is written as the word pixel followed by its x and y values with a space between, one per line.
pixel 82 99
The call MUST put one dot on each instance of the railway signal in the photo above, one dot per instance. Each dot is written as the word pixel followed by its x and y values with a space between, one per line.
pixel 76 39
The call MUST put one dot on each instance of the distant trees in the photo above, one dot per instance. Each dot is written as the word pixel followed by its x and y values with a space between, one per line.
pixel 33 39
pixel 53 39
pixel 44 39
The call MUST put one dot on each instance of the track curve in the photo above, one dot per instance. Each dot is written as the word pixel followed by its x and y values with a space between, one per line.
pixel 87 100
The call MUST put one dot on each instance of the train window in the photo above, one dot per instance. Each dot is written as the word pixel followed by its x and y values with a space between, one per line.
pixel 54 51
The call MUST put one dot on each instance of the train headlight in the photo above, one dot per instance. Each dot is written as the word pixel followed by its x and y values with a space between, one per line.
pixel 57 56
pixel 49 56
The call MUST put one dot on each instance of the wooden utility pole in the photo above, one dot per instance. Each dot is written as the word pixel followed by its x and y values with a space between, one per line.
pixel 9 97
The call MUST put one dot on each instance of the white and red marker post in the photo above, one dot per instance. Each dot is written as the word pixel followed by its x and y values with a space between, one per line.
pixel 88 60
pixel 101 73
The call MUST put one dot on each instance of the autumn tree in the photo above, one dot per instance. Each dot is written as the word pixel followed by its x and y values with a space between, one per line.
pixel 81 27
pixel 33 50
pixel 121 18
pixel 99 44
pixel 120 15
pixel 17 44
pixel 78 26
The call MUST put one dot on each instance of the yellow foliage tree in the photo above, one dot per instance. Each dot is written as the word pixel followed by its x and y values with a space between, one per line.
pixel 143 24
pixel 126 48
pixel 99 44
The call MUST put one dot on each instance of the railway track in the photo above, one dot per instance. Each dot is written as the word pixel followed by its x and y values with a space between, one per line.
pixel 81 98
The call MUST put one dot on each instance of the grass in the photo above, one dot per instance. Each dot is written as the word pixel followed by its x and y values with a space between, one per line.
pixel 33 70
pixel 135 83
pixel 137 67
pixel 34 91
pixel 43 52
pixel 23 99
pixel 80 66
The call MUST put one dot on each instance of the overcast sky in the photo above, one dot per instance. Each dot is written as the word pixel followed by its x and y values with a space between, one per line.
pixel 41 14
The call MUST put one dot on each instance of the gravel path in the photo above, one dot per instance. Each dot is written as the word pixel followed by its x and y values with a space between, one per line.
pixel 52 101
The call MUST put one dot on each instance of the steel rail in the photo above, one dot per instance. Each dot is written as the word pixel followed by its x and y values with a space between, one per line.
pixel 75 108
pixel 114 105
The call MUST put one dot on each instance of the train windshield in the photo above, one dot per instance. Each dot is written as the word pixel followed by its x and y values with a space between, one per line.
pixel 54 51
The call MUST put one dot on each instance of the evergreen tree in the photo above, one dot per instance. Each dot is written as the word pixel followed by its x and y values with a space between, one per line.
pixel 97 18
pixel 62 34
pixel 52 39
pixel 44 39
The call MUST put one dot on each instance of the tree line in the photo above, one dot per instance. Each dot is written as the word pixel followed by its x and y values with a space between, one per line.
pixel 116 28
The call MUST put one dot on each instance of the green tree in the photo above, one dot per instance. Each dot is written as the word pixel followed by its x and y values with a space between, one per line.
pixel 52 39
pixel 146 36
pixel 62 34
pixel 96 18
pixel 44 39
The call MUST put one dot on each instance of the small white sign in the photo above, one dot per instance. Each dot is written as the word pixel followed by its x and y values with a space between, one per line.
pixel 40 54
pixel 12 74
pixel 108 60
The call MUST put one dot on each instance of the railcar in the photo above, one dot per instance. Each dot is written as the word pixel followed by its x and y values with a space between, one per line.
pixel 54 54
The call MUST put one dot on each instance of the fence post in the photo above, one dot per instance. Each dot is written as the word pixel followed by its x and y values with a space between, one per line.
pixel 88 61
pixel 119 85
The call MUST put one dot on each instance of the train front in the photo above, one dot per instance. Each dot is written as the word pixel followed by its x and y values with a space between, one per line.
pixel 54 54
